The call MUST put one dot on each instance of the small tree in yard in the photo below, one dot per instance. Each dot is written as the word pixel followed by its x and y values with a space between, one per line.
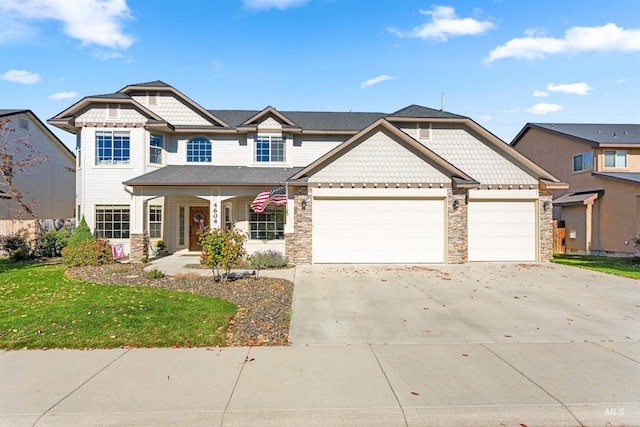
pixel 84 249
pixel 17 156
pixel 222 248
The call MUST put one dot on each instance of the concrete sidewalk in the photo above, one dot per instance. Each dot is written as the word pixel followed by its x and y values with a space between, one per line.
pixel 381 385
pixel 179 262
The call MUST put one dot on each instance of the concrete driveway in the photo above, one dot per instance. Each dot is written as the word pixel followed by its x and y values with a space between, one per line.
pixel 469 303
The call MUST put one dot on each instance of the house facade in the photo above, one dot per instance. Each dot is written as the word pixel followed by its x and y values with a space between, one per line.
pixel 601 163
pixel 415 186
pixel 51 184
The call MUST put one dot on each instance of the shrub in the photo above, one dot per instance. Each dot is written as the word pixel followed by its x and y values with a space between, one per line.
pixel 268 259
pixel 96 252
pixel 154 274
pixel 222 248
pixel 82 233
pixel 17 246
pixel 51 243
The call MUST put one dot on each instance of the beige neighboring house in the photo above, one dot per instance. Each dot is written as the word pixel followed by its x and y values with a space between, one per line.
pixel 601 164
pixel 52 183
pixel 418 185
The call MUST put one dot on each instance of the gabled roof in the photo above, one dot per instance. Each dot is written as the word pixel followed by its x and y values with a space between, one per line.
pixel 597 135
pixel 419 112
pixel 382 124
pixel 41 125
pixel 578 198
pixel 269 111
pixel 194 175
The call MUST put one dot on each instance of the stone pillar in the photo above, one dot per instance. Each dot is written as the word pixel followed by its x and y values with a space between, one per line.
pixel 457 226
pixel 298 244
pixel 546 225
pixel 139 247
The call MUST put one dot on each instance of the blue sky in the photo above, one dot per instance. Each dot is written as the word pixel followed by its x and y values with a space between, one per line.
pixel 502 63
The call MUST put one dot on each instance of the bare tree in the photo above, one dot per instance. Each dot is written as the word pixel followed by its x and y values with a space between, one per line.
pixel 17 156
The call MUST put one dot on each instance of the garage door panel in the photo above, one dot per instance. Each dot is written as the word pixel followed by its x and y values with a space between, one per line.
pixel 378 230
pixel 502 230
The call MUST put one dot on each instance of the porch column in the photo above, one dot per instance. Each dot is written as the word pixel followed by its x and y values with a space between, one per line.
pixel 138 236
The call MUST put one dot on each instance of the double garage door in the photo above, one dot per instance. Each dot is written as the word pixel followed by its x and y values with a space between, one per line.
pixel 413 230
pixel 378 230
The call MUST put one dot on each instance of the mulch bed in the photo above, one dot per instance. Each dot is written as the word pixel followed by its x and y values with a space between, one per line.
pixel 264 304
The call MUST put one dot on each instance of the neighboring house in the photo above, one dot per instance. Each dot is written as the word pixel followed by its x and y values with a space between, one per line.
pixel 415 186
pixel 51 183
pixel 601 164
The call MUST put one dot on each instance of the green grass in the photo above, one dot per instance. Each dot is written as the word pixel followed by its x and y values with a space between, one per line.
pixel 628 267
pixel 41 308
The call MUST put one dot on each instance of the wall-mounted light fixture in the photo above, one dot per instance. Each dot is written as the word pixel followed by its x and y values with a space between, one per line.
pixel 304 205
pixel 546 205
pixel 456 204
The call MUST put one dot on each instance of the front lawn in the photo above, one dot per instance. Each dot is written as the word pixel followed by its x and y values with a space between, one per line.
pixel 628 267
pixel 41 308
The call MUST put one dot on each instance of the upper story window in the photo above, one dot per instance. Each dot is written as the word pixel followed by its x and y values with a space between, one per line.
pixel 113 148
pixel 583 162
pixel 23 123
pixel 79 149
pixel 155 149
pixel 269 148
pixel 198 150
pixel 615 159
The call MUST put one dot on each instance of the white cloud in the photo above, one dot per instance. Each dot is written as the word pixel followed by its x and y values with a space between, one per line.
pixel 540 93
pixel 486 118
pixel 375 81
pixel 622 80
pixel 535 32
pixel 576 88
pixel 90 21
pixel 444 24
pixel 63 95
pixel 514 111
pixel 270 4
pixel 543 108
pixel 21 76
pixel 608 37
pixel 104 55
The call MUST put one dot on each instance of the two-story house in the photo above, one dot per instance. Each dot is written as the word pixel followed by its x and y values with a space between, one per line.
pixel 601 163
pixel 415 186
pixel 51 184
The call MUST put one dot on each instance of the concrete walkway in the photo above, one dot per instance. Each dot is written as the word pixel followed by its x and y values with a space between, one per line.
pixel 431 383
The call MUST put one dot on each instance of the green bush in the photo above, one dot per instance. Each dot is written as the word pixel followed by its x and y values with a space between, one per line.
pixel 154 274
pixel 51 243
pixel 81 234
pixel 96 252
pixel 268 259
pixel 17 246
pixel 222 248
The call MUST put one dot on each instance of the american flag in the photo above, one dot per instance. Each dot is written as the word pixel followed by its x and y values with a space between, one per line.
pixel 277 196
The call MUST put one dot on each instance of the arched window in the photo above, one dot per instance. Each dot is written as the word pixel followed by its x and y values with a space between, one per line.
pixel 198 150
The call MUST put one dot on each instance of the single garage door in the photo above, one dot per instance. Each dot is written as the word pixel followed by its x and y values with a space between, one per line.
pixel 378 230
pixel 502 230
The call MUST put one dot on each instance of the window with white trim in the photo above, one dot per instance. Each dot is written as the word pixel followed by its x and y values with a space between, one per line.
pixel 113 148
pixel 112 221
pixel 227 212
pixel 155 149
pixel 583 162
pixel 269 148
pixel 268 225
pixel 615 159
pixel 198 150
pixel 155 222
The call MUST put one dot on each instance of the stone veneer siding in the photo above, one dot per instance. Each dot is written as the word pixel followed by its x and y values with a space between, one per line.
pixel 139 247
pixel 546 226
pixel 298 246
pixel 457 227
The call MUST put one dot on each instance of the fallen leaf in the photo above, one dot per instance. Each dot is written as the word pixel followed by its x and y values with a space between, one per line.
pixel 415 393
pixel 465 354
